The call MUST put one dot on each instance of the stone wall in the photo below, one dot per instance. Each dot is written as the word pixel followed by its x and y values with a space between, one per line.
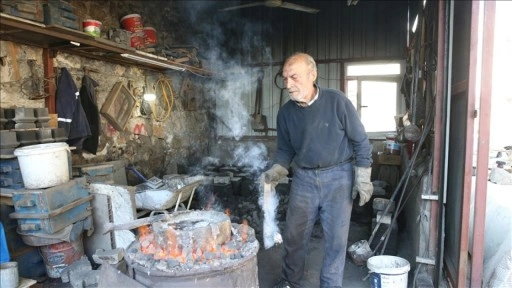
pixel 16 85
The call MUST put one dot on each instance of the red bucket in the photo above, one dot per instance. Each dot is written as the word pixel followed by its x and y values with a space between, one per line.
pixel 132 22
pixel 149 36
pixel 92 27
pixel 137 40
pixel 58 256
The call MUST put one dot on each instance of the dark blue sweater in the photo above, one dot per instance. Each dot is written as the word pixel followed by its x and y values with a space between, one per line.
pixel 324 134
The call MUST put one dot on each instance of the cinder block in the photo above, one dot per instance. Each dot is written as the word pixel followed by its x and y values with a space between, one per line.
pixel 223 189
pixel 386 218
pixel 78 279
pixel 120 266
pixel 222 180
pixel 73 273
pixel 108 256
pixel 91 278
pixel 380 204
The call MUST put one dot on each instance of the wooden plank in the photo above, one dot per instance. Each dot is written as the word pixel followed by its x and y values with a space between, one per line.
pixel 49 86
pixel 31 33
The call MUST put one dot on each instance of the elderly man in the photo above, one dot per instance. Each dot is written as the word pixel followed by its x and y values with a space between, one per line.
pixel 321 133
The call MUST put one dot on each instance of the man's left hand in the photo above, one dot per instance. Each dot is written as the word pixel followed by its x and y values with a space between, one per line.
pixel 362 185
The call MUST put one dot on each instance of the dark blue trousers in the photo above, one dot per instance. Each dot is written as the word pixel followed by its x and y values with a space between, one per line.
pixel 327 194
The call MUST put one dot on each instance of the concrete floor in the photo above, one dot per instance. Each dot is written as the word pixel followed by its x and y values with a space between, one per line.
pixel 269 268
pixel 269 261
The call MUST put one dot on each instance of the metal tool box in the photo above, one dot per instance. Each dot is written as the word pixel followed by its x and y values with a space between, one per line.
pixel 98 173
pixel 10 174
pixel 57 15
pixel 49 210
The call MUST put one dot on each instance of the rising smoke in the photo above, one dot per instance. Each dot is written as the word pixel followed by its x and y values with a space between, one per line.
pixel 224 40
pixel 251 156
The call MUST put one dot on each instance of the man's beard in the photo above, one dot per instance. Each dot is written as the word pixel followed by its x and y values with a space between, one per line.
pixel 301 97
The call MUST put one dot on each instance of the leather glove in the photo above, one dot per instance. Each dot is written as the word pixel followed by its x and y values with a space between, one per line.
pixel 362 185
pixel 274 174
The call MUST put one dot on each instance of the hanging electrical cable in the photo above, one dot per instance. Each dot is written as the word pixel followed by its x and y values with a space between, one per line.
pixel 162 88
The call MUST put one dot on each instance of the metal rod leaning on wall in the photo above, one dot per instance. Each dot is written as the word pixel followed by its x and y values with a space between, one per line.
pixel 426 131
pixel 405 178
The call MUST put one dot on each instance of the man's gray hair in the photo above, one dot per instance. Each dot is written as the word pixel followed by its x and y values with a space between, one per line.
pixel 309 60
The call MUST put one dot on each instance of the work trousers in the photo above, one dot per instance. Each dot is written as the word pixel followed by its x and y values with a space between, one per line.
pixel 327 194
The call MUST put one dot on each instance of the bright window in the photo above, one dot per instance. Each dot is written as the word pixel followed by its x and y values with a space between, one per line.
pixel 373 69
pixel 373 88
pixel 378 107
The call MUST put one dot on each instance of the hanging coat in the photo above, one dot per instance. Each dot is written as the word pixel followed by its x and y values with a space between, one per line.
pixel 71 115
pixel 88 98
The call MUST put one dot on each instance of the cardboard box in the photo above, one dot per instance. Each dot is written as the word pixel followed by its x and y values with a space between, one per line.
pixel 388 159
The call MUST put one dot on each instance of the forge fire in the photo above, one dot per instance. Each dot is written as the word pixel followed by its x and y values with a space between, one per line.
pixel 191 242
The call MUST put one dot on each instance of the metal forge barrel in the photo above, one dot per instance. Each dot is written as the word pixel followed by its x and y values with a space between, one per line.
pixel 194 249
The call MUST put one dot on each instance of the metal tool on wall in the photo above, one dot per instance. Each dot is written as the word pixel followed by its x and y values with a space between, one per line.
pixel 411 131
pixel 32 87
pixel 259 121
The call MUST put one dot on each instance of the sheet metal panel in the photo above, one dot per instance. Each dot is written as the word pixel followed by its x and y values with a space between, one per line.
pixel 461 124
pixel 371 30
pixel 477 259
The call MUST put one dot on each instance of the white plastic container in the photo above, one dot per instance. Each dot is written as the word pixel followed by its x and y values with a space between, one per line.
pixel 388 271
pixel 9 275
pixel 44 165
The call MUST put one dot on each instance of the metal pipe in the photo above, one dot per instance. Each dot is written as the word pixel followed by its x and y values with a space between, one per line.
pixel 438 134
pixel 445 123
pixel 426 131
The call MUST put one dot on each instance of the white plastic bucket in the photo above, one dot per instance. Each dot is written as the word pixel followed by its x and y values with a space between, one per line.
pixel 388 271
pixel 44 165
pixel 9 275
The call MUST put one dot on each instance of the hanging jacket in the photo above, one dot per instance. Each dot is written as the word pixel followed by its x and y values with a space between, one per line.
pixel 88 99
pixel 71 115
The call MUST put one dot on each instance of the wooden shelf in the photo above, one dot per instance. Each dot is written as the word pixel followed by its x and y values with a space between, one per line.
pixel 58 38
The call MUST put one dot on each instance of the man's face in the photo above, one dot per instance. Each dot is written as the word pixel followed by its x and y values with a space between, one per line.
pixel 298 79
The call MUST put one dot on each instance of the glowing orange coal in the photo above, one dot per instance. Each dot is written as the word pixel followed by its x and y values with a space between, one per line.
pixel 169 247
pixel 244 227
pixel 147 240
pixel 166 245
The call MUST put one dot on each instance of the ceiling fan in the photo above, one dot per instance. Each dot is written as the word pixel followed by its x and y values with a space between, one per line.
pixel 273 4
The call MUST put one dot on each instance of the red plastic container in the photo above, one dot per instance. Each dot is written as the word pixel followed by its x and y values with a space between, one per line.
pixel 150 39
pixel 137 40
pixel 58 256
pixel 92 27
pixel 132 23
